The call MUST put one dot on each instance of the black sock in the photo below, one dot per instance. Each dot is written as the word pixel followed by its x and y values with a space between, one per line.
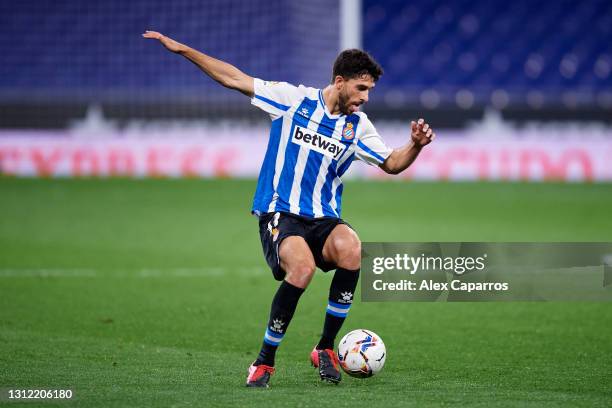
pixel 283 306
pixel 341 293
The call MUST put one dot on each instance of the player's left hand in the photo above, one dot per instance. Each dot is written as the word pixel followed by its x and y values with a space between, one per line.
pixel 167 42
pixel 421 134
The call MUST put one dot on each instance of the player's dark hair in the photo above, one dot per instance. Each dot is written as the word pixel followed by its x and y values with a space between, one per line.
pixel 354 63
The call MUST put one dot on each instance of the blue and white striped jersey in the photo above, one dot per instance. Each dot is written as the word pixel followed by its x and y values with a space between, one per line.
pixel 309 150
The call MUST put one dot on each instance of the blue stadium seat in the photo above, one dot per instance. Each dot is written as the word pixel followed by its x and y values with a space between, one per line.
pixel 559 49
pixel 433 52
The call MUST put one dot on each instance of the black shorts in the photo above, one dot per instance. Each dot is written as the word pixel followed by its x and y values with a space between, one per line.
pixel 274 227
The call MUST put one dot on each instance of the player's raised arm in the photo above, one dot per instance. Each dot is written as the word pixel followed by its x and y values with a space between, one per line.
pixel 400 159
pixel 222 72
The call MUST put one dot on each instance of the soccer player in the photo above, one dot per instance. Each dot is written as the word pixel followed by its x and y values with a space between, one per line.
pixel 315 136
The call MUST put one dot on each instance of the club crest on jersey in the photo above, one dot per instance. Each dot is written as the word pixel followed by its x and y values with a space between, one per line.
pixel 325 145
pixel 348 131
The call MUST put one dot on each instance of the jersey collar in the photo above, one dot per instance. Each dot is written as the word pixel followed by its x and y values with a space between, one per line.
pixel 325 109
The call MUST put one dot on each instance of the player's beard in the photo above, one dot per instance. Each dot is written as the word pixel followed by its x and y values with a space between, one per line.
pixel 343 105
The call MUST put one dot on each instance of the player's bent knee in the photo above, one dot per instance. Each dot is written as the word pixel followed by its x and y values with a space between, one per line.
pixel 352 259
pixel 348 252
pixel 300 274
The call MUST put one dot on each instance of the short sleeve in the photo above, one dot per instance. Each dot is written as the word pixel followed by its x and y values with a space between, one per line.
pixel 274 97
pixel 370 147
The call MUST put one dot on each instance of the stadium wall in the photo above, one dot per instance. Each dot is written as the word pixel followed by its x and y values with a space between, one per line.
pixel 487 150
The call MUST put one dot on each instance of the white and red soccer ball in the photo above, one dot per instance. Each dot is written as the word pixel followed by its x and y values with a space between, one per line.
pixel 362 353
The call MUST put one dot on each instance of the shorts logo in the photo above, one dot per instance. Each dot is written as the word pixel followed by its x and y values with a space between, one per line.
pixel 273 227
pixel 325 145
pixel 348 131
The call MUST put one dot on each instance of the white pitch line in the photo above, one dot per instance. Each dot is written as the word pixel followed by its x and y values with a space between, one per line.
pixel 47 273
pixel 144 273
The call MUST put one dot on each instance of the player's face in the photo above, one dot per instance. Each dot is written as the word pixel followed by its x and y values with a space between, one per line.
pixel 354 92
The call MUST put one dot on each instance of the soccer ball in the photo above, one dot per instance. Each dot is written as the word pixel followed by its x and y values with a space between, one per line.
pixel 362 353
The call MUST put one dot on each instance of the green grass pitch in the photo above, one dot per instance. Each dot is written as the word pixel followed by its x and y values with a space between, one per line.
pixel 155 293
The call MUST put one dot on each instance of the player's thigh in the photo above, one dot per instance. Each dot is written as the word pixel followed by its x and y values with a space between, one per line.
pixel 296 258
pixel 343 247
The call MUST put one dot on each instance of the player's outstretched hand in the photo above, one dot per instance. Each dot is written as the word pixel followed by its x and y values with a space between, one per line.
pixel 421 134
pixel 167 42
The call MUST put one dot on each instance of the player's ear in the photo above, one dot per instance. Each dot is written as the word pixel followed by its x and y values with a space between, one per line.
pixel 339 82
